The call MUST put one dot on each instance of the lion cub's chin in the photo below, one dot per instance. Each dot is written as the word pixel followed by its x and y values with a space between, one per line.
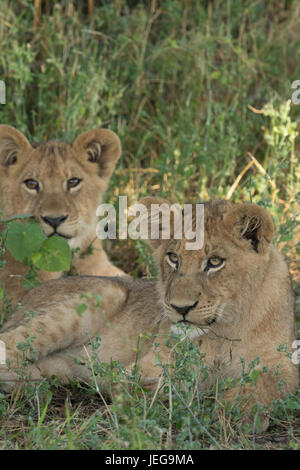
pixel 81 240
pixel 191 332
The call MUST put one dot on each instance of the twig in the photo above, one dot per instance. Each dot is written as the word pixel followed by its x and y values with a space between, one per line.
pixel 37 13
pixel 262 170
pixel 238 179
pixel 96 384
pixel 140 170
pixel 91 7
pixel 256 111
pixel 191 412
pixel 221 336
pixel 156 391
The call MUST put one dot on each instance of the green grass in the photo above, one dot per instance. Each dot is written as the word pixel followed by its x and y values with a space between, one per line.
pixel 176 416
pixel 195 90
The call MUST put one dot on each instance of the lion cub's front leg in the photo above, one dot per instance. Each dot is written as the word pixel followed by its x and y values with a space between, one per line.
pixel 48 332
pixel 58 327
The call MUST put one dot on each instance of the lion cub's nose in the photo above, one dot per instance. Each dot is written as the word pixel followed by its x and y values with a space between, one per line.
pixel 54 221
pixel 184 310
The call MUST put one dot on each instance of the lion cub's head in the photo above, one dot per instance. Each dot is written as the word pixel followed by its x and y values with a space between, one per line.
pixel 60 184
pixel 216 283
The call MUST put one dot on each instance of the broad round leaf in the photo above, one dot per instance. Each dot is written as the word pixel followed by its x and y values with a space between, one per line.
pixel 55 255
pixel 16 217
pixel 22 240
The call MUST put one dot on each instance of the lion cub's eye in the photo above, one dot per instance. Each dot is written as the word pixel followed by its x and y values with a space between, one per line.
pixel 214 262
pixel 32 184
pixel 173 259
pixel 73 182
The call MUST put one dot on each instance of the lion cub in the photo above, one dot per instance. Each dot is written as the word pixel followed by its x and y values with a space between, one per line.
pixel 61 185
pixel 235 292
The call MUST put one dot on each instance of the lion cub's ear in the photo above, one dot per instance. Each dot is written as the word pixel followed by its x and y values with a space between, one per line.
pixel 161 216
pixel 12 144
pixel 251 222
pixel 101 146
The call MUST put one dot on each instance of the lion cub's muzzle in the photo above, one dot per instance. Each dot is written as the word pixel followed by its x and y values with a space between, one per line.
pixel 184 310
pixel 55 223
pixel 193 313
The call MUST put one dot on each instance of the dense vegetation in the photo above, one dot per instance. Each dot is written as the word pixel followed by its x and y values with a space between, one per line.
pixel 199 93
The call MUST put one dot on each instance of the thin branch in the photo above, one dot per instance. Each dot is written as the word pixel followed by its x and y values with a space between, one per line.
pixel 262 170
pixel 238 179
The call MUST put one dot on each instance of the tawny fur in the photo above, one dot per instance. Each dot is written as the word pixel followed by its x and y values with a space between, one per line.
pixel 243 309
pixel 92 158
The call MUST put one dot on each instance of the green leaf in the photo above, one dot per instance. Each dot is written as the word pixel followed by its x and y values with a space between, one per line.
pixel 23 240
pixel 30 280
pixel 81 309
pixel 292 404
pixel 286 238
pixel 254 375
pixel 16 217
pixel 54 255
pixel 257 422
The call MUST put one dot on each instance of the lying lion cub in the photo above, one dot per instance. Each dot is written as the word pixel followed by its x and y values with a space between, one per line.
pixel 235 291
pixel 61 185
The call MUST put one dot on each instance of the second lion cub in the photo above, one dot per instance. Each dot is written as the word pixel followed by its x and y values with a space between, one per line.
pixel 235 292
